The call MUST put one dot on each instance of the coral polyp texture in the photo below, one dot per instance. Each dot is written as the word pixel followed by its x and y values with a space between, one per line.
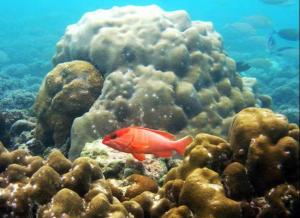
pixel 67 92
pixel 209 182
pixel 162 71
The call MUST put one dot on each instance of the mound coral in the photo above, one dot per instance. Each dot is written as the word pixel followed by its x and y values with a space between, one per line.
pixel 268 145
pixel 162 71
pixel 67 92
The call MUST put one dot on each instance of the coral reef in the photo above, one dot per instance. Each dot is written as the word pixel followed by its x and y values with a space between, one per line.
pixel 265 181
pixel 18 99
pixel 163 71
pixel 17 131
pixel 208 183
pixel 4 135
pixel 167 72
pixel 268 146
pixel 279 86
pixel 280 201
pixel 196 182
pixel 21 125
pixel 67 92
pixel 7 120
pixel 56 186
pixel 16 93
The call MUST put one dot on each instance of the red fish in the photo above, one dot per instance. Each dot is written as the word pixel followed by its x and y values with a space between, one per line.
pixel 140 141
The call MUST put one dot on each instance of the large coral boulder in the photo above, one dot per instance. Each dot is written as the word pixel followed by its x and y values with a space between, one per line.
pixel 252 122
pixel 67 92
pixel 162 71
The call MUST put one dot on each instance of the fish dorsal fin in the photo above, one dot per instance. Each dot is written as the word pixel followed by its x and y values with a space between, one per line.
pixel 162 133
pixel 139 156
pixel 122 131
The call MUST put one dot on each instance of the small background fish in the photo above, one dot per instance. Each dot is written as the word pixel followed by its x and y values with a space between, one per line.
pixel 291 34
pixel 276 2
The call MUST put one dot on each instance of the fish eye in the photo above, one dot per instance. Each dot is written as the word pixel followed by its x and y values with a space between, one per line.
pixel 113 136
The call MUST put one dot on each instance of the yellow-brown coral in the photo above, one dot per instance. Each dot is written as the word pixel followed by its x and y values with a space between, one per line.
pixel 67 92
pixel 253 187
pixel 268 145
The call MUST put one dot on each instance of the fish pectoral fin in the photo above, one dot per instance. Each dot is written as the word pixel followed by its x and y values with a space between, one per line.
pixel 139 156
pixel 163 154
pixel 138 148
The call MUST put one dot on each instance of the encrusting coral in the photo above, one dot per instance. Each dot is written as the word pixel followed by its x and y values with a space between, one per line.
pixel 162 71
pixel 210 182
pixel 67 92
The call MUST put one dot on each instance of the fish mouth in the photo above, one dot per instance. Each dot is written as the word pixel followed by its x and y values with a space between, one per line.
pixel 105 140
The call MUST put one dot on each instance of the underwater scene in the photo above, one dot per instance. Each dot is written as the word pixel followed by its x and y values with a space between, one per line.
pixel 149 109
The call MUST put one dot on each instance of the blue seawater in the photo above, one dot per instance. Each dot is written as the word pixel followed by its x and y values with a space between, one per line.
pixel 30 29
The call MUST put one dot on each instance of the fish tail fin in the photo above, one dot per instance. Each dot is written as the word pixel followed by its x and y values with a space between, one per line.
pixel 181 144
